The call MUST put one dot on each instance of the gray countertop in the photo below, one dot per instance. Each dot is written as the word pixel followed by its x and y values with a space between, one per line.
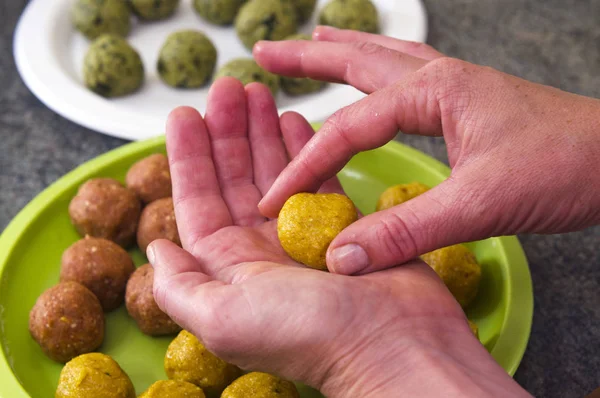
pixel 555 42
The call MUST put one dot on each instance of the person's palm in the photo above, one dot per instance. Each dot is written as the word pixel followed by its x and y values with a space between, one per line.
pixel 237 290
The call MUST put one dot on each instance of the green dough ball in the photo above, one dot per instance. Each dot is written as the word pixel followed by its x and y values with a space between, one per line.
pixel 220 12
pixel 300 85
pixel 187 59
pixel 153 9
pixel 260 385
pixel 97 17
pixel 247 71
pixel 351 14
pixel 112 68
pixel 304 9
pixel 265 20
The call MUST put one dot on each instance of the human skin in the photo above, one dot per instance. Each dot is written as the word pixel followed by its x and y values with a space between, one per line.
pixel 521 153
pixel 232 281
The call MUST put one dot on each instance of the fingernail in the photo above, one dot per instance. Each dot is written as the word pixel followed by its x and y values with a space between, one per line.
pixel 348 259
pixel 150 254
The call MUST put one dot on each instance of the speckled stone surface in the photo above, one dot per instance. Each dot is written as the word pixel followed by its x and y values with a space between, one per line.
pixel 554 42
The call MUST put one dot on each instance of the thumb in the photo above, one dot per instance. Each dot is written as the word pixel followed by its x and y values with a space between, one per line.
pixel 447 214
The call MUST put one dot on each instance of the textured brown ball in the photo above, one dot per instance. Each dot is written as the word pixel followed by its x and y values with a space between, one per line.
pixel 150 178
pixel 157 222
pixel 67 321
pixel 141 306
pixel 100 265
pixel 103 208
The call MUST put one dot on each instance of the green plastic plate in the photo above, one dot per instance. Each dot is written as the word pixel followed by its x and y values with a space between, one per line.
pixel 32 245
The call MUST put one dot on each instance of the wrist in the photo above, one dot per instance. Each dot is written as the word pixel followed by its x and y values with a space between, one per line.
pixel 430 364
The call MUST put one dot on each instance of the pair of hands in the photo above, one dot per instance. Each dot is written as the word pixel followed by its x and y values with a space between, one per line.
pixel 393 332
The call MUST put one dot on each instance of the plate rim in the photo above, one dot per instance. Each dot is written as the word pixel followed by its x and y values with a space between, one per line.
pixel 92 114
pixel 519 282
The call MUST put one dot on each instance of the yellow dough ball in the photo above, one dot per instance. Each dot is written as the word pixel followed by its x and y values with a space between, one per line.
pixel 173 389
pixel 309 222
pixel 188 360
pixel 260 385
pixel 459 269
pixel 393 196
pixel 94 375
pixel 474 328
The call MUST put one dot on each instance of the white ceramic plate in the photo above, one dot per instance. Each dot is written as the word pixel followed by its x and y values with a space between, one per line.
pixel 49 54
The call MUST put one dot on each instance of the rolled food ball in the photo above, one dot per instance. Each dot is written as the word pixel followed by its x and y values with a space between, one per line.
pixel 103 208
pixel 265 20
pixel 308 223
pixel 187 59
pixel 304 9
pixel 459 270
pixel 474 328
pixel 157 222
pixel 300 85
pixel 247 71
pixel 112 68
pixel 351 14
pixel 260 385
pixel 153 9
pixel 142 307
pixel 187 359
pixel 398 194
pixel 94 375
pixel 97 17
pixel 173 389
pixel 220 12
pixel 150 178
pixel 100 265
pixel 67 321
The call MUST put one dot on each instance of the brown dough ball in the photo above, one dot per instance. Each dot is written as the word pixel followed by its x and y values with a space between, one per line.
pixel 103 208
pixel 100 265
pixel 67 321
pixel 150 178
pixel 141 306
pixel 157 222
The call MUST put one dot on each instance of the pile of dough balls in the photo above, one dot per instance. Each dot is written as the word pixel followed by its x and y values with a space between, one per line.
pixel 187 59
pixel 456 265
pixel 192 371
pixel 97 274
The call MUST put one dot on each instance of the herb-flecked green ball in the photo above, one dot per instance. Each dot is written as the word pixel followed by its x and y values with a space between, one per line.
pixel 304 9
pixel 248 71
pixel 187 59
pixel 300 85
pixel 220 12
pixel 265 20
pixel 112 68
pixel 97 17
pixel 351 14
pixel 152 10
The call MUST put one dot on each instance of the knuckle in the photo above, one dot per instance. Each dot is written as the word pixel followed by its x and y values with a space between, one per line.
pixel 397 238
pixel 453 87
pixel 367 48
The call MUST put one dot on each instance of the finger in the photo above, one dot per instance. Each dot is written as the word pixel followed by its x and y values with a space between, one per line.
pixel 366 124
pixel 180 288
pixel 227 121
pixel 269 157
pixel 366 66
pixel 296 133
pixel 199 207
pixel 413 48
pixel 445 215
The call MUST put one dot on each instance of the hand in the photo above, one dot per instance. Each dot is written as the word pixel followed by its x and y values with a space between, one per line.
pixel 386 334
pixel 524 156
